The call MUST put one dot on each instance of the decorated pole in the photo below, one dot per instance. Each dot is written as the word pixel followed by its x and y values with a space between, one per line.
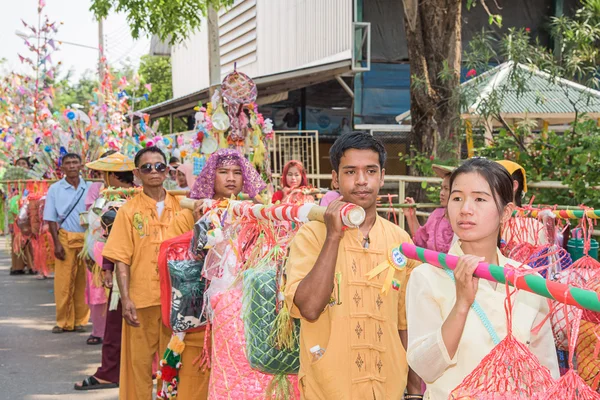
pixel 351 214
pixel 565 214
pixel 585 299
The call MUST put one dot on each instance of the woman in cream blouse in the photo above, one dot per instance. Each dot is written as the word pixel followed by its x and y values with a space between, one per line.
pixel 446 338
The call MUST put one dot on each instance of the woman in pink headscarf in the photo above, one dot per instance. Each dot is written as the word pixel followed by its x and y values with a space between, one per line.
pixel 185 176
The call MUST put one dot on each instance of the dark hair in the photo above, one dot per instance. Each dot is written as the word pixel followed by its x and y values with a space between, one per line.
pixel 70 155
pixel 518 176
pixel 124 176
pixel 500 181
pixel 151 149
pixel 108 153
pixel 173 160
pixel 26 159
pixel 355 140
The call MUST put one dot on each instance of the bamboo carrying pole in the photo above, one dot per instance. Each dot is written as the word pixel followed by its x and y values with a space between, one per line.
pixel 351 215
pixel 564 214
pixel 533 283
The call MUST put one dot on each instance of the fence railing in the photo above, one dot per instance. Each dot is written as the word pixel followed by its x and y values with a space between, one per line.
pixel 402 180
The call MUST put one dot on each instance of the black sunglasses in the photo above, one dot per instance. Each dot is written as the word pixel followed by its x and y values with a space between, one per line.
pixel 147 168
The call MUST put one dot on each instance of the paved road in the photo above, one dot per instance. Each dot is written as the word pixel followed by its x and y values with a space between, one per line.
pixel 34 363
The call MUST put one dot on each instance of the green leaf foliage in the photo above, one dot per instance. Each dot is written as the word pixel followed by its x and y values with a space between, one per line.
pixel 170 20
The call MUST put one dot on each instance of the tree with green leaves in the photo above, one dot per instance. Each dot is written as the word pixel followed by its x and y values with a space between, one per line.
pixel 572 156
pixel 172 20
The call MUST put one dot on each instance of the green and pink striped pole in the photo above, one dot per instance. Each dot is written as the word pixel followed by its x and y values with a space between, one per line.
pixel 585 299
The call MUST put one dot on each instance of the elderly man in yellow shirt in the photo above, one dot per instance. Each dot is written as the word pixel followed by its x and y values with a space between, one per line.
pixel 350 344
pixel 133 245
pixel 226 173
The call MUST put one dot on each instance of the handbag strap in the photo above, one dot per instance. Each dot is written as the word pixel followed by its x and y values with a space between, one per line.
pixel 479 311
pixel 73 206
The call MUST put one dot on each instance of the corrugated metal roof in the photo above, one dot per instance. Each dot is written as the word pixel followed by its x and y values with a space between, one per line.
pixel 542 94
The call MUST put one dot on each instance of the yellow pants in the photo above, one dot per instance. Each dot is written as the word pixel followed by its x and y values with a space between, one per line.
pixel 69 283
pixel 193 383
pixel 138 348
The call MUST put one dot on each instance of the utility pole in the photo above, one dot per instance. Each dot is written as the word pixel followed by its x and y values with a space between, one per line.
pixel 214 51
pixel 101 49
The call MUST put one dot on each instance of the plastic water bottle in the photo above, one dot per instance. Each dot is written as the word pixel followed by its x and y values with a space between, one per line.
pixel 317 352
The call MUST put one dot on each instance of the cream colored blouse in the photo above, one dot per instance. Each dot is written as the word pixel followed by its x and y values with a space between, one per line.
pixel 430 297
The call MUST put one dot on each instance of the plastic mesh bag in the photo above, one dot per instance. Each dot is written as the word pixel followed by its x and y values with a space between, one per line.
pixel 187 294
pixel 509 372
pixel 182 290
pixel 260 302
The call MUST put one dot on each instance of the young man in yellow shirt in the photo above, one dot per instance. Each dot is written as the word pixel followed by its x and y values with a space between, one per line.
pixel 133 245
pixel 355 324
pixel 226 173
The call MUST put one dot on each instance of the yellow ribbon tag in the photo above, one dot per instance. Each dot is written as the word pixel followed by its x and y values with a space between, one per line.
pixel 395 262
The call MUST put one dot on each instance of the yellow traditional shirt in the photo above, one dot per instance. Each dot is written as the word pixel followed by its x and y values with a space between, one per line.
pixel 135 240
pixel 364 358
pixel 430 298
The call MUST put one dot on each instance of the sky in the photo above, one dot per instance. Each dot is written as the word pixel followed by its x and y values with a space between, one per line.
pixel 79 26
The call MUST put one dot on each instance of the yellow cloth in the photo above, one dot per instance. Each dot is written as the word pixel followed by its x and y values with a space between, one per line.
pixel 430 298
pixel 511 167
pixel 364 358
pixel 69 283
pixel 135 240
pixel 193 383
pixel 139 345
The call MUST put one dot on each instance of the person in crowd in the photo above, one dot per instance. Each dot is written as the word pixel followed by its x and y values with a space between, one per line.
pixel 118 173
pixel 293 177
pixel 171 181
pixel 347 322
pixel 521 230
pixel 65 200
pixel 95 294
pixel 437 232
pixel 185 177
pixel 330 196
pixel 447 337
pixel 22 260
pixel 133 245
pixel 23 162
pixel 227 173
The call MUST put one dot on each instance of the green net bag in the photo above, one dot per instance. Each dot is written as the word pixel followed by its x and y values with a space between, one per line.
pixel 260 313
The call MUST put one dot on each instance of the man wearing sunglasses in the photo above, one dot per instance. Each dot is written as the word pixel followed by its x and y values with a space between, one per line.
pixel 133 245
pixel 226 173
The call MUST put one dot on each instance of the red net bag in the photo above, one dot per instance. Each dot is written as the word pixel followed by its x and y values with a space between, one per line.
pixel 571 385
pixel 584 273
pixel 509 372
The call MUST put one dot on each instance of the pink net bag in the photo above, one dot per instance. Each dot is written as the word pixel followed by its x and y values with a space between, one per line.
pixel 509 372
